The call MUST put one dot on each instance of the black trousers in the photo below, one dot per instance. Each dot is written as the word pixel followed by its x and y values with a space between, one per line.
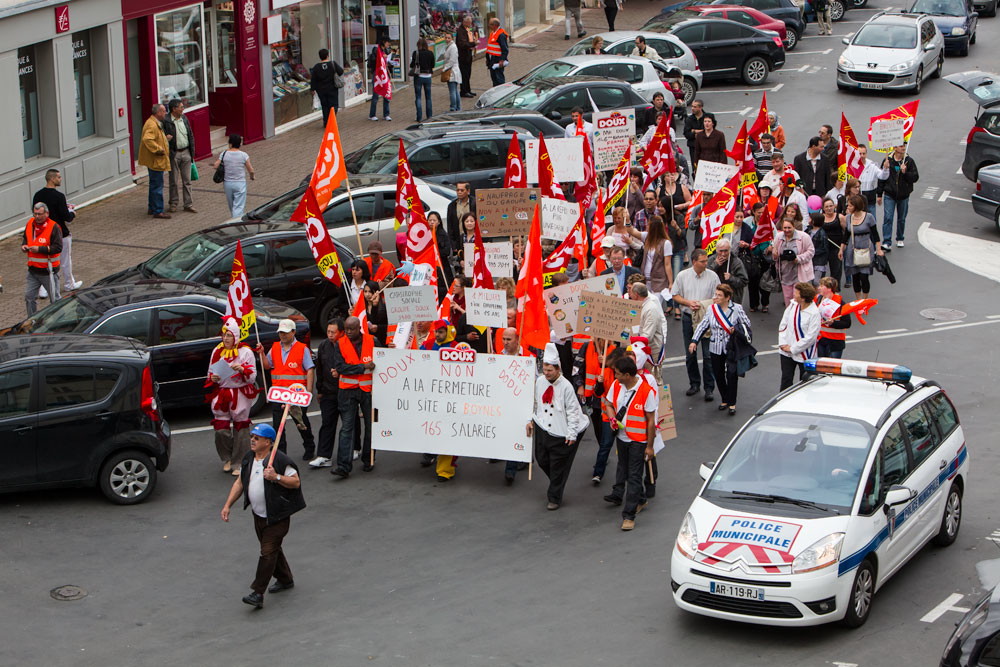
pixel 555 458
pixel 628 476
pixel 272 562
pixel 725 381
pixel 611 11
pixel 836 268
pixel 788 372
pixel 465 67
pixel 758 297
pixel 350 401
pixel 308 440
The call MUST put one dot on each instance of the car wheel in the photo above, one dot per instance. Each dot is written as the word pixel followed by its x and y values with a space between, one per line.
pixel 858 4
pixel 690 89
pixel 992 11
pixel 952 519
pixel 859 605
pixel 939 67
pixel 755 71
pixel 920 79
pixel 128 478
pixel 791 39
pixel 836 10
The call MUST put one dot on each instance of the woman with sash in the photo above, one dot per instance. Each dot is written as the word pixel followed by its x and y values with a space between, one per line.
pixel 722 319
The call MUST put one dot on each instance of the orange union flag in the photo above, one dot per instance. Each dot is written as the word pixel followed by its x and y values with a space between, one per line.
pixel 320 243
pixel 240 303
pixel 330 169
pixel 908 112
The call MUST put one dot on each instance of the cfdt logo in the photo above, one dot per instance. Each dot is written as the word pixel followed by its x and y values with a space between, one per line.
pixel 452 354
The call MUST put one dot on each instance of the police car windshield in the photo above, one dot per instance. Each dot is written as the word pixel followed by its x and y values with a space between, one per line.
pixel 810 462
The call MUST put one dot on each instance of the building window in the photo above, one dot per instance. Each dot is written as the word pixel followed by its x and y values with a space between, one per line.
pixel 225 62
pixel 180 49
pixel 356 49
pixel 303 34
pixel 83 79
pixel 441 17
pixel 28 81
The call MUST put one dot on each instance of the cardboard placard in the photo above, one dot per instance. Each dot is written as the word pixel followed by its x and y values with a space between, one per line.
pixel 499 258
pixel 712 176
pixel 613 131
pixel 607 317
pixel 886 134
pixel 562 303
pixel 558 218
pixel 506 212
pixel 410 303
pixel 477 406
pixel 566 155
pixel 486 307
pixel 668 424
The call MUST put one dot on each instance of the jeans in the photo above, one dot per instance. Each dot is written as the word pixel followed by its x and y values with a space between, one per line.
pixel 899 207
pixel 272 562
pixel 691 358
pixel 350 400
pixel 497 76
pixel 308 441
pixel 454 101
pixel 555 458
pixel 35 281
pixel 385 105
pixel 236 197
pixel 604 446
pixel 628 476
pixel 825 348
pixel 328 102
pixel 155 203
pixel 422 83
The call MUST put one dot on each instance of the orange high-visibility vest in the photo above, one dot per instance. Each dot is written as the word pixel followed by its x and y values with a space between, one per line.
pixel 37 259
pixel 385 269
pixel 361 380
pixel 592 370
pixel 493 43
pixel 635 414
pixel 828 332
pixel 288 371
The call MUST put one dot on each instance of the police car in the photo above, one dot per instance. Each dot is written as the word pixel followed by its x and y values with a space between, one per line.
pixel 821 497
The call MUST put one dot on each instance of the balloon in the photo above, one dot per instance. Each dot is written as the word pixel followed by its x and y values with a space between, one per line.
pixel 815 203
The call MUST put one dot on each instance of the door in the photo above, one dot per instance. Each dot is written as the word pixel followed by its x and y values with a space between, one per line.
pixel 896 469
pixel 696 38
pixel 184 335
pixel 18 422
pixel 483 162
pixel 136 115
pixel 218 273
pixel 296 279
pixel 728 46
pixel 76 417
pixel 928 463
pixel 368 208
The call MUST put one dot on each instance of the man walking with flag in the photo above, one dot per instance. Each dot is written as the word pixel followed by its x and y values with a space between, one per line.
pixel 378 70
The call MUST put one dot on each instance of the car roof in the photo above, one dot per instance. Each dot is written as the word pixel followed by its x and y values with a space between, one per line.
pixel 582 59
pixel 840 396
pixel 557 81
pixel 896 18
pixel 415 134
pixel 630 35
pixel 107 297
pixel 71 346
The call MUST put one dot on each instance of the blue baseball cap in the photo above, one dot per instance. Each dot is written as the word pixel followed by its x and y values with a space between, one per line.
pixel 264 430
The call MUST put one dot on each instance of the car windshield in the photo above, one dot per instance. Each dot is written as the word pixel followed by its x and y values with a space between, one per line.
pixel 374 156
pixel 68 315
pixel 794 458
pixel 525 97
pixel 942 7
pixel 545 70
pixel 662 23
pixel 579 48
pixel 887 36
pixel 177 261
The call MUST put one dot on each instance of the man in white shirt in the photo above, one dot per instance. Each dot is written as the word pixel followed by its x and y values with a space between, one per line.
pixel 580 127
pixel 641 50
pixel 652 324
pixel 869 178
pixel 692 286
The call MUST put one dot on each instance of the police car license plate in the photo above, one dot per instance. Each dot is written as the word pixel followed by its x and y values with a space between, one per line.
pixel 733 591
pixel 872 86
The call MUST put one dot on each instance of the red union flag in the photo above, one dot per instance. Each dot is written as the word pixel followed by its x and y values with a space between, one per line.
pixel 765 229
pixel 658 157
pixel 547 182
pixel 330 169
pixel 697 199
pixel 760 125
pixel 515 176
pixel 618 185
pixel 908 112
pixel 481 276
pixel 561 256
pixel 383 84
pixel 240 304
pixel 717 216
pixel 586 188
pixel 848 158
pixel 320 243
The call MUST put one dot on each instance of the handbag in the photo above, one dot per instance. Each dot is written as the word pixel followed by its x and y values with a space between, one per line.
pixel 413 65
pixel 862 256
pixel 446 75
pixel 220 171
pixel 769 280
pixel 338 80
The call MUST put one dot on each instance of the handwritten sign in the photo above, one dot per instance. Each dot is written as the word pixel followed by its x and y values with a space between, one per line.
pixel 499 258
pixel 566 155
pixel 505 212
pixel 607 317
pixel 463 408
pixel 712 176
pixel 562 303
pixel 885 134
pixel 558 218
pixel 613 131
pixel 411 303
pixel 486 307
pixel 668 424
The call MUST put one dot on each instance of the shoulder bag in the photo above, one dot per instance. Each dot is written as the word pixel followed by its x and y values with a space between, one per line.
pixel 220 171
pixel 446 75
pixel 862 256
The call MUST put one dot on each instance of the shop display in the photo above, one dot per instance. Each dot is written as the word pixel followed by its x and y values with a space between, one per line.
pixel 303 34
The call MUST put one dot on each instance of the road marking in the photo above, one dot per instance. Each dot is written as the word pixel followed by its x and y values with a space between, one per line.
pixel 993 317
pixel 746 111
pixel 958 249
pixel 946 324
pixel 844 664
pixel 818 36
pixel 958 171
pixel 930 192
pixel 703 91
pixel 963 142
pixel 889 331
pixel 777 88
pixel 946 606
pixel 995 537
pixel 808 53
pixel 967 201
pixel 944 195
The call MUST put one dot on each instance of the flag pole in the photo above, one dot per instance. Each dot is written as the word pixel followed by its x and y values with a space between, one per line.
pixel 354 215
pixel 263 374
pixel 277 437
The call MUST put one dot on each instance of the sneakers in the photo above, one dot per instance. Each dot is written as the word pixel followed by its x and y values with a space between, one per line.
pixel 887 247
pixel 387 118
pixel 596 479
pixel 373 118
pixel 628 524
pixel 43 293
pixel 640 507
pixel 356 455
pixel 340 472
pixel 255 600
pixel 899 243
pixel 78 284
pixel 320 462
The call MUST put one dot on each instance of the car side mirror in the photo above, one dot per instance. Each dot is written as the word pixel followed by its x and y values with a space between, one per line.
pixel 555 115
pixel 705 469
pixel 846 40
pixel 897 495
pixel 929 47
pixel 216 282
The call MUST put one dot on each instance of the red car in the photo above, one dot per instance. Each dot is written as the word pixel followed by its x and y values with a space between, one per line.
pixel 746 16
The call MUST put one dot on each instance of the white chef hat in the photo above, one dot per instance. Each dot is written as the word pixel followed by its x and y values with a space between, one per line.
pixel 550 355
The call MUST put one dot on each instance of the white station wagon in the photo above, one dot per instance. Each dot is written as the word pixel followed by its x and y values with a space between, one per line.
pixel 821 497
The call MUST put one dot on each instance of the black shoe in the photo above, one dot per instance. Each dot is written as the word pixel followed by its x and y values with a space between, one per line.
pixel 722 406
pixel 340 472
pixel 566 38
pixel 692 390
pixel 468 94
pixel 277 587
pixel 582 34
pixel 708 397
pixel 442 478
pixel 309 454
pixel 368 467
pixel 613 499
pixel 509 477
pixel 427 460
pixel 255 600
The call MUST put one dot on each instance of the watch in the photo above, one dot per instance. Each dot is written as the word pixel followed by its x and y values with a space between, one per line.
pixel 279 479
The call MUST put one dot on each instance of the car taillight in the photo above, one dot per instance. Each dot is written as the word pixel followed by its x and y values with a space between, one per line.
pixel 777 40
pixel 975 129
pixel 148 401
pixel 979 186
pixel 696 65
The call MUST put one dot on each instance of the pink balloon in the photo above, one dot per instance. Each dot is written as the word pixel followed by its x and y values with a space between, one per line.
pixel 814 202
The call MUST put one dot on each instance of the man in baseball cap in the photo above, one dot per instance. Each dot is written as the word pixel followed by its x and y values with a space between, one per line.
pixel 292 363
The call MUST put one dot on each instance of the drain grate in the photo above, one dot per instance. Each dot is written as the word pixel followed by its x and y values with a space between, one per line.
pixel 68 593
pixel 943 314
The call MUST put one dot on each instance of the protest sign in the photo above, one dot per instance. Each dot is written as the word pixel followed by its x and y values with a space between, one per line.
pixel 887 133
pixel 453 402
pixel 558 218
pixel 668 424
pixel 486 307
pixel 411 303
pixel 607 317
pixel 712 176
pixel 613 130
pixel 505 212
pixel 563 302
pixel 499 258
pixel 566 155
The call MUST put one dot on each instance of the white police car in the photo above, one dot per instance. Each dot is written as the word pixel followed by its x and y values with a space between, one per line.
pixel 821 497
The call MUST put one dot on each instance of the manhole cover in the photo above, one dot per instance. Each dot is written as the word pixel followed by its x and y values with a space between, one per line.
pixel 67 593
pixel 945 314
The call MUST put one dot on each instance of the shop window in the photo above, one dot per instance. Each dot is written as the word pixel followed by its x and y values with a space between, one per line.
pixel 384 20
pixel 28 80
pixel 303 34
pixel 356 49
pixel 224 62
pixel 84 82
pixel 180 51
pixel 441 17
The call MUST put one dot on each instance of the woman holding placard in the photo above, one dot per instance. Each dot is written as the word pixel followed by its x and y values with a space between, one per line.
pixel 231 393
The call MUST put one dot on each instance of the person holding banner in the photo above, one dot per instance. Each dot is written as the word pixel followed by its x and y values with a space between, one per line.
pixel 231 395
pixel 619 269
pixel 894 189
pixel 722 319
pixel 293 364
pixel 352 360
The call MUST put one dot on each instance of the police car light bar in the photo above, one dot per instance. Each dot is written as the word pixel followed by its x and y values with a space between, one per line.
pixel 861 369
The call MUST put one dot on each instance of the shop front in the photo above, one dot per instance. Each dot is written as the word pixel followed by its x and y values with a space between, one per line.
pixel 441 17
pixel 66 62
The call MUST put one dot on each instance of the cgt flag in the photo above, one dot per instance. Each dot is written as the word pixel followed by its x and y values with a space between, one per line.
pixel 765 229
pixel 908 112
pixel 658 157
pixel 848 158
pixel 718 215
pixel 404 178
pixel 330 169
pixel 547 182
pixel 382 84
pixel 587 188
pixel 240 303
pixel 760 126
pixel 320 243
pixel 481 276
pixel 515 176
pixel 618 185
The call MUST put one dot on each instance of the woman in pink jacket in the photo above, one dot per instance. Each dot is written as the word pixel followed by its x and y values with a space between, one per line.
pixel 793 252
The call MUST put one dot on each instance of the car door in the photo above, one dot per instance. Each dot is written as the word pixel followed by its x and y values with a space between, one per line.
pixel 296 280
pixel 924 442
pixel 635 74
pixel 728 44
pixel 368 208
pixel 597 69
pixel 696 38
pixel 432 163
pixel 897 469
pixel 18 425
pixel 218 272
pixel 670 52
pixel 561 106
pixel 483 162
pixel 928 57
pixel 741 16
pixel 184 335
pixel 76 417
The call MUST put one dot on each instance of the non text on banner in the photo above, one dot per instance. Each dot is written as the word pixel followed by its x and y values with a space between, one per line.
pixel 566 156
pixel 505 212
pixel 499 258
pixel 613 131
pixel 562 303
pixel 486 307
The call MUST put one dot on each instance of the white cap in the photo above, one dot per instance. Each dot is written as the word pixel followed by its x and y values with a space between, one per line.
pixel 608 242
pixel 550 356
pixel 286 326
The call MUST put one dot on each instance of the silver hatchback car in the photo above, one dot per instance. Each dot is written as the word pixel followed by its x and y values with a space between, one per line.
pixel 891 51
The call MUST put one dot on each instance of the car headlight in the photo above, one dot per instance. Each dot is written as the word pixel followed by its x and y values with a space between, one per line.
pixel 687 537
pixel 823 553
pixel 969 624
pixel 958 31
pixel 844 62
pixel 900 67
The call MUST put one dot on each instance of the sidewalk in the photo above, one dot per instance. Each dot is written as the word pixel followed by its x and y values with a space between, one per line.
pixel 116 233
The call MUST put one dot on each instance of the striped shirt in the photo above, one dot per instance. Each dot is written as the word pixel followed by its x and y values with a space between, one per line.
pixel 720 337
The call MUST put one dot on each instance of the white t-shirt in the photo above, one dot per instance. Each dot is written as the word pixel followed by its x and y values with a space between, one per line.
pixel 256 489
pixel 235 163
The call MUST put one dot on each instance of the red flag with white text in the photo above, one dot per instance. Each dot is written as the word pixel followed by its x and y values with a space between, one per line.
pixel 585 189
pixel 718 215
pixel 765 229
pixel 383 83
pixel 481 276
pixel 849 161
pixel 760 126
pixel 515 175
pixel 534 320
pixel 658 158
pixel 697 202
pixel 547 182
pixel 320 243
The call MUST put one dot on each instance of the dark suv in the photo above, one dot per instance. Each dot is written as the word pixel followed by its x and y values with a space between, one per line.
pixel 80 411
pixel 982 146
pixel 785 10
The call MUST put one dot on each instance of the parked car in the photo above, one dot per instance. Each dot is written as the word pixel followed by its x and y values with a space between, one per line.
pixel 986 199
pixel 519 120
pixel 975 642
pixel 891 52
pixel 180 322
pixel 727 49
pixel 441 155
pixel 784 10
pixel 80 411
pixel 982 146
pixel 838 9
pixel 956 20
pixel 739 13
pixel 985 7
pixel 556 97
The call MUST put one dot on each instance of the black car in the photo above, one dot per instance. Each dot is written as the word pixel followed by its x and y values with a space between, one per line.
pixel 982 145
pixel 727 49
pixel 80 411
pixel 444 155
pixel 556 97
pixel 784 10
pixel 519 120
pixel 976 639
pixel 279 263
pixel 180 322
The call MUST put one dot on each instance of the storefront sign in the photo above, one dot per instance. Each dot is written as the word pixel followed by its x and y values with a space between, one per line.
pixel 566 155
pixel 499 258
pixel 504 212
pixel 486 307
pixel 613 131
pixel 562 303
pixel 607 317
pixel 62 18
pixel 410 304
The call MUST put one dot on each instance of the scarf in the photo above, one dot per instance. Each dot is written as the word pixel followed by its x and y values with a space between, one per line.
pixel 227 353
pixel 547 395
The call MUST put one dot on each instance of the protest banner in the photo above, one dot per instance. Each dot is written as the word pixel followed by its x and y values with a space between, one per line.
pixel 486 307
pixel 454 402
pixel 613 130
pixel 607 317
pixel 668 424
pixel 558 218
pixel 563 302
pixel 566 155
pixel 505 212
pixel 711 176
pixel 499 258
pixel 887 133
pixel 411 303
